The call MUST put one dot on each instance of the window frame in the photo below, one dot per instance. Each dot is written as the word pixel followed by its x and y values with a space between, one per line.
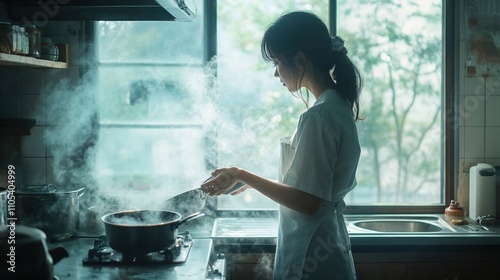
pixel 449 121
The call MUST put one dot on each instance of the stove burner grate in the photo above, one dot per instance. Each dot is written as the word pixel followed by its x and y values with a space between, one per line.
pixel 102 254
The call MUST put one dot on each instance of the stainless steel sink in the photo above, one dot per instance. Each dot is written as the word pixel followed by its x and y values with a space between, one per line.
pixel 397 224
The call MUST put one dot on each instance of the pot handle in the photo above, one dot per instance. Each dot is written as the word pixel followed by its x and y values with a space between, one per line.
pixel 58 254
pixel 189 218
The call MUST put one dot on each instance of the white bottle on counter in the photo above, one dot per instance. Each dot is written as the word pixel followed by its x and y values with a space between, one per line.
pixel 482 191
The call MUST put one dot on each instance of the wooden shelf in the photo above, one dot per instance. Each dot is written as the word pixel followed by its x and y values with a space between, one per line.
pixel 20 60
pixel 16 126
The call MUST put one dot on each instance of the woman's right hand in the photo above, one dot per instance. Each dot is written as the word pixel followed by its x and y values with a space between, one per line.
pixel 244 188
pixel 221 181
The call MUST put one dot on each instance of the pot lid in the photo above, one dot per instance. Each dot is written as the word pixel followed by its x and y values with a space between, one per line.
pixel 48 189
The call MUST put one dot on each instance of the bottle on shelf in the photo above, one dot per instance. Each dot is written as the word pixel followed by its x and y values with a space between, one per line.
pixel 5 37
pixel 34 39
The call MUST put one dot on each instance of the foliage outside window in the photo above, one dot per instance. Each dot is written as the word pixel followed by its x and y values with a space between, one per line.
pixel 398 47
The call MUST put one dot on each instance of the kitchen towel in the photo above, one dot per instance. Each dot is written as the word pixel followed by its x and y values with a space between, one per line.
pixel 286 155
pixel 482 191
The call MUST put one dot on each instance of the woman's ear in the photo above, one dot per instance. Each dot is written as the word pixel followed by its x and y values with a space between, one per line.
pixel 299 60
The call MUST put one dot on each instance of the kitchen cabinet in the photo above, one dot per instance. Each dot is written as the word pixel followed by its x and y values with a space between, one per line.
pixel 386 271
pixel 249 266
pixel 453 271
pixel 20 60
pixel 438 263
pixel 466 265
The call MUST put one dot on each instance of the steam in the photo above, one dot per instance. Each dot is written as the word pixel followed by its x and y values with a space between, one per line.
pixel 71 112
pixel 140 218
pixel 80 139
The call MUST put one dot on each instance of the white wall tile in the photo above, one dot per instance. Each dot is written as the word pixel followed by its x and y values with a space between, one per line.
pixel 474 142
pixel 492 146
pixel 33 107
pixel 32 80
pixel 54 78
pixel 493 111
pixel 50 171
pixel 474 86
pixel 34 170
pixel 10 106
pixel 10 79
pixel 473 110
pixel 33 145
pixel 493 86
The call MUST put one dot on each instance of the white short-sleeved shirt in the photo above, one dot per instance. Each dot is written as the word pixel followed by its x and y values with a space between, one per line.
pixel 326 151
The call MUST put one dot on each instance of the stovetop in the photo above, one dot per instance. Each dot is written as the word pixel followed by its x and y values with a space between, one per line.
pixel 102 255
pixel 72 268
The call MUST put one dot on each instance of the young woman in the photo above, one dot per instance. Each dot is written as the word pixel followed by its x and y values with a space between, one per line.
pixel 313 242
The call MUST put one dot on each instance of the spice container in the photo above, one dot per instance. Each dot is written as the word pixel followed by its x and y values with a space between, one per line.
pixel 15 40
pixel 5 37
pixel 24 41
pixel 454 211
pixel 49 50
pixel 35 41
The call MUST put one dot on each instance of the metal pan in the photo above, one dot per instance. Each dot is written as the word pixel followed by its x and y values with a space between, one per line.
pixel 139 232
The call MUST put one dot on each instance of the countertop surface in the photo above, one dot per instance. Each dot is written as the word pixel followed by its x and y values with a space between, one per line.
pixel 259 234
pixel 72 268
pixel 263 231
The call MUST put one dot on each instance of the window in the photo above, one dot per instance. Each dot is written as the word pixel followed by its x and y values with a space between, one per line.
pixel 152 86
pixel 398 47
pixel 177 115
pixel 399 52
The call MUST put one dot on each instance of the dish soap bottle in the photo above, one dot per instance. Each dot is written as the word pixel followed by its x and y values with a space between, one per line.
pixel 454 211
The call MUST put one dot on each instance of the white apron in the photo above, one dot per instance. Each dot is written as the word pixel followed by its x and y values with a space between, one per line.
pixel 313 247
pixel 309 244
pixel 316 247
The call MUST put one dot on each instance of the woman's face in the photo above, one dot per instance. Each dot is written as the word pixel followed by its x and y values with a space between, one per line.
pixel 287 76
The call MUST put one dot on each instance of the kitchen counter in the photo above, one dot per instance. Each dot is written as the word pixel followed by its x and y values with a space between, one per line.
pixel 72 268
pixel 452 253
pixel 263 232
pixel 238 237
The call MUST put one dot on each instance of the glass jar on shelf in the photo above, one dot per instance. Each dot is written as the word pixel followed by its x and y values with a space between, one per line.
pixel 16 40
pixel 34 39
pixel 49 50
pixel 5 37
pixel 24 48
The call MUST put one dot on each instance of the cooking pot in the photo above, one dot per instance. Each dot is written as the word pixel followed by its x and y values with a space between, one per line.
pixel 53 210
pixel 28 256
pixel 139 232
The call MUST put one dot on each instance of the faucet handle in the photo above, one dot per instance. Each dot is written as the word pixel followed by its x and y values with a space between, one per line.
pixel 486 218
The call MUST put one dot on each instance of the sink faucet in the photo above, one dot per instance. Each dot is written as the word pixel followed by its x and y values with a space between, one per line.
pixel 487 219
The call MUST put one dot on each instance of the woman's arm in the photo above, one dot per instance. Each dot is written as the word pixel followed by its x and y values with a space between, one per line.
pixel 285 195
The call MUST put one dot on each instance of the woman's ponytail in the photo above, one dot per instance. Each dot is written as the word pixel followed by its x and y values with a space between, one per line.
pixel 348 79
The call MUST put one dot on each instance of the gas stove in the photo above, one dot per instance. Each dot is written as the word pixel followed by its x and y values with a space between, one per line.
pixel 102 255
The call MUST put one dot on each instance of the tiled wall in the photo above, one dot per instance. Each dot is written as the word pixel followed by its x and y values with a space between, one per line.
pixel 23 94
pixel 479 91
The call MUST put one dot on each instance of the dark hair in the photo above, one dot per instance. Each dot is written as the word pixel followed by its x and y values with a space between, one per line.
pixel 305 32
